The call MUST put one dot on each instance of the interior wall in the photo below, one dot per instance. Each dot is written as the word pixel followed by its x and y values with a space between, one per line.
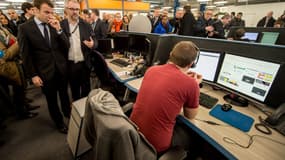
pixel 253 13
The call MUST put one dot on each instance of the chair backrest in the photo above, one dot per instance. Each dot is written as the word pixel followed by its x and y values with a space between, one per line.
pixel 111 133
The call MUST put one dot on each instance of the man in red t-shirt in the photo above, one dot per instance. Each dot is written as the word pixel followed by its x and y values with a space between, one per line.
pixel 164 91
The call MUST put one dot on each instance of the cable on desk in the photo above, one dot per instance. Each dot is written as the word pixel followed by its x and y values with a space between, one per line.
pixel 210 122
pixel 250 141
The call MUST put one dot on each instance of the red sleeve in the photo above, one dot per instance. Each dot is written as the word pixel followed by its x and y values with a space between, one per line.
pixel 193 96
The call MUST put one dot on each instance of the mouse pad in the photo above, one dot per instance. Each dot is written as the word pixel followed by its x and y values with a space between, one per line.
pixel 233 118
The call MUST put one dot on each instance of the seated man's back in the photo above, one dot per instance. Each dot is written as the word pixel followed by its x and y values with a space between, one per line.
pixel 165 90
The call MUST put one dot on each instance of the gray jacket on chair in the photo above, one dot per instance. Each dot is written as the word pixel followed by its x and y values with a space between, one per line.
pixel 111 133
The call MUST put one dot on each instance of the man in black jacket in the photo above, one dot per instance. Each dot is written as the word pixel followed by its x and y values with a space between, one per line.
pixel 188 22
pixel 98 26
pixel 82 43
pixel 44 47
pixel 267 21
pixel 219 27
pixel 204 24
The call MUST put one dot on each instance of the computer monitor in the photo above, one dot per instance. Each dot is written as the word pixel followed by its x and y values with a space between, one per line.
pixel 208 65
pixel 140 45
pixel 247 76
pixel 121 43
pixel 269 37
pixel 251 36
pixel 105 46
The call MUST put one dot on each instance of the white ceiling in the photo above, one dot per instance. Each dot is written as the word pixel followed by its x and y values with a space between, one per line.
pixel 169 3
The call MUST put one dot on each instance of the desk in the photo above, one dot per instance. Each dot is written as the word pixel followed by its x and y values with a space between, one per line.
pixel 260 149
pixel 121 74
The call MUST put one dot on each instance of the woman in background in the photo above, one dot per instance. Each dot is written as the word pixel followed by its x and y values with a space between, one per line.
pixel 11 72
pixel 126 21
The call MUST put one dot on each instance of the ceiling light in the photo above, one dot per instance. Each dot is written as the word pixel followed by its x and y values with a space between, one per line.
pixel 203 0
pixel 221 2
pixel 4 4
pixel 16 0
pixel 212 6
pixel 59 2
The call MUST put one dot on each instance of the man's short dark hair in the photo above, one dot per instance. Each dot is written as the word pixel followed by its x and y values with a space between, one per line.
pixel 26 6
pixel 156 7
pixel 187 8
pixel 96 12
pixel 240 13
pixel 38 3
pixel 86 11
pixel 184 53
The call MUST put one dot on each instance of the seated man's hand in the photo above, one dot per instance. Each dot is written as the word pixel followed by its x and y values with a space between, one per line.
pixel 196 76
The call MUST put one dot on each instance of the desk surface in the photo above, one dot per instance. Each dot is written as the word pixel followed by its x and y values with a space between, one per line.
pixel 120 73
pixel 260 149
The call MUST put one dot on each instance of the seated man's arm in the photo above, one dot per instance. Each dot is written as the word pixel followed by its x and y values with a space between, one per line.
pixel 190 113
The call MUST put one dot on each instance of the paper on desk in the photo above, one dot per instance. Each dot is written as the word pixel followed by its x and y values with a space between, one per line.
pixel 123 73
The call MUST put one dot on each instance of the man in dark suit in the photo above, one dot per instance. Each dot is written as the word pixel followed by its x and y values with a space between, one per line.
pixel 82 44
pixel 188 22
pixel 267 21
pixel 98 26
pixel 44 47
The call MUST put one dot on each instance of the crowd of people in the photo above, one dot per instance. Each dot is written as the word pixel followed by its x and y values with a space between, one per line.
pixel 206 24
pixel 51 52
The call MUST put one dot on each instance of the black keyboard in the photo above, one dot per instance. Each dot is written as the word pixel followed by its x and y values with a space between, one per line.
pixel 207 100
pixel 120 62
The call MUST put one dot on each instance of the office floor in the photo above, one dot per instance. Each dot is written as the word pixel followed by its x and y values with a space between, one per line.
pixel 36 138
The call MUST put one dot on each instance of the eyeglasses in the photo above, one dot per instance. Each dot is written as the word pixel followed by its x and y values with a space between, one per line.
pixel 74 9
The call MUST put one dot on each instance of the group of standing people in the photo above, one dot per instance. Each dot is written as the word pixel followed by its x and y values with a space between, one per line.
pixel 184 23
pixel 53 55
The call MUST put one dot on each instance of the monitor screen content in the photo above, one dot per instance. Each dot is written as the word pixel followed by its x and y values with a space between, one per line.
pixel 269 37
pixel 252 36
pixel 207 65
pixel 248 76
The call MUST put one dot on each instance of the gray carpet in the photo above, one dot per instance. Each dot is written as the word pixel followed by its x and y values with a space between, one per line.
pixel 36 138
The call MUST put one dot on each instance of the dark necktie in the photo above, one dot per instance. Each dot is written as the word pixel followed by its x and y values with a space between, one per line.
pixel 46 33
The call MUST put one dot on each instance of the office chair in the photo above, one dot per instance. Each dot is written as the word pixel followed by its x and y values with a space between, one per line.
pixel 114 136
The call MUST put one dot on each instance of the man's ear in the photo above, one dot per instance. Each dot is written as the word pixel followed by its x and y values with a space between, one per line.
pixel 189 65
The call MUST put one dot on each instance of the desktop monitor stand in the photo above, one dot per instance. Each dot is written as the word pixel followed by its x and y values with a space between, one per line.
pixel 236 100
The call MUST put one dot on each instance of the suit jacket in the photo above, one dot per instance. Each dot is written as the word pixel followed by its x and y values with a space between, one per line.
pixel 111 133
pixel 40 58
pixel 100 30
pixel 85 31
pixel 270 22
pixel 187 26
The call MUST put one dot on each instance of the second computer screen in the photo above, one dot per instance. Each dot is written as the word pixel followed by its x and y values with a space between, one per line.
pixel 249 76
pixel 207 65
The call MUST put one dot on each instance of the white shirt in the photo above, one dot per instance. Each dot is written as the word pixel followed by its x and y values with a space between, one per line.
pixel 41 26
pixel 75 53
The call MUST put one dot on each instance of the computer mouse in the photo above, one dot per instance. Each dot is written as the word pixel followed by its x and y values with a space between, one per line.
pixel 226 107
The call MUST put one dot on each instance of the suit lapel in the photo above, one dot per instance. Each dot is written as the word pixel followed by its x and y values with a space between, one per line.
pixel 38 31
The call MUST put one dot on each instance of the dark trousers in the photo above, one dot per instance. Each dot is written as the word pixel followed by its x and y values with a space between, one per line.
pixel 79 79
pixel 57 84
pixel 18 97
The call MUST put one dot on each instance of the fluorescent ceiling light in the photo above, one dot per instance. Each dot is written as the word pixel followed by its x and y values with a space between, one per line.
pixel 221 2
pixel 167 7
pixel 58 8
pixel 16 0
pixel 59 2
pixel 203 0
pixel 211 6
pixel 4 4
